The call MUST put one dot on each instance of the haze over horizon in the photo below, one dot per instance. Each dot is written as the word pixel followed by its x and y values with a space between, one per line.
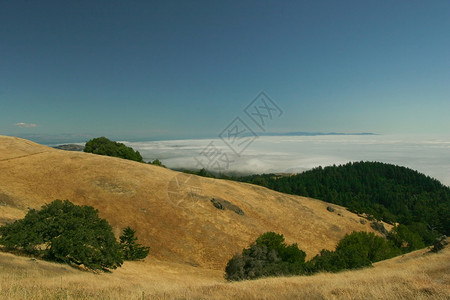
pixel 177 70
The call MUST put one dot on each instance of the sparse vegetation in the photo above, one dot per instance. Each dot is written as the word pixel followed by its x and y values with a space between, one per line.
pixel 202 172
pixel 439 244
pixel 104 146
pixel 156 162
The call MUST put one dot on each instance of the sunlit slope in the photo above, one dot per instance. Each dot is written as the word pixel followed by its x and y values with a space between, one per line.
pixel 171 211
pixel 416 275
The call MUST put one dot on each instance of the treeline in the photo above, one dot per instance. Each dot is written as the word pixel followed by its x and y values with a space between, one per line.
pixel 269 255
pixel 384 191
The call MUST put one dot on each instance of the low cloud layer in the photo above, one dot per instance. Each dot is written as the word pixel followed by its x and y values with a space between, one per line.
pixel 25 125
pixel 429 155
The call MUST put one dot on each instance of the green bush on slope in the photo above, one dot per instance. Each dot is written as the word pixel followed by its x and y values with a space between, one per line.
pixel 64 232
pixel 67 233
pixel 104 146
pixel 270 256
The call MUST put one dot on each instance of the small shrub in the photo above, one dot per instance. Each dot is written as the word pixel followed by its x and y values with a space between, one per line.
pixel 156 162
pixel 439 244
pixel 130 248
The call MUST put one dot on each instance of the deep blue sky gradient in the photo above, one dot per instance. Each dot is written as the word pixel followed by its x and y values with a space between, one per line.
pixel 185 69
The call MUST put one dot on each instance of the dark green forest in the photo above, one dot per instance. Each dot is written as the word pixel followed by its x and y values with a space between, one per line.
pixel 384 191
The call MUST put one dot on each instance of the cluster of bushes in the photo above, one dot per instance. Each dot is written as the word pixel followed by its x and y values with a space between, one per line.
pixel 64 232
pixel 355 250
pixel 156 162
pixel 104 146
pixel 202 172
pixel 269 255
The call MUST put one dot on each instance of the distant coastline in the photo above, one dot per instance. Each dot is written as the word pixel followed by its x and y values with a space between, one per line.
pixel 58 140
pixel 302 133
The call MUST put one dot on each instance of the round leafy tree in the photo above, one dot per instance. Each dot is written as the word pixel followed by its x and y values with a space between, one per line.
pixel 64 232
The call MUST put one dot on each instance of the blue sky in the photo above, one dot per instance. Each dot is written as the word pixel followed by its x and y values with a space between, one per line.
pixel 185 69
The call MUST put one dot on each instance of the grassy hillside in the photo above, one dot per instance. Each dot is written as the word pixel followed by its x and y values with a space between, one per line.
pixel 416 275
pixel 172 212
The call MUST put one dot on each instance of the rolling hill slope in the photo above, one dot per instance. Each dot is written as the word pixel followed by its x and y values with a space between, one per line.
pixel 171 211
pixel 416 275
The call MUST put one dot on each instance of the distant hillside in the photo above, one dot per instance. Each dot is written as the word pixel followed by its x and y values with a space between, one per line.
pixel 171 212
pixel 303 133
pixel 70 147
pixel 388 192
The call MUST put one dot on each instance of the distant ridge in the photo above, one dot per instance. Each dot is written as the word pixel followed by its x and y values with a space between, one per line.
pixel 305 133
pixel 302 133
pixel 70 147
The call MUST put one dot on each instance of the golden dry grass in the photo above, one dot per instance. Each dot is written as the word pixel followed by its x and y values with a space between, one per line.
pixel 414 276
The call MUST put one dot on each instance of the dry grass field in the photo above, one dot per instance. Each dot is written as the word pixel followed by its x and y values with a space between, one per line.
pixel 190 240
pixel 417 275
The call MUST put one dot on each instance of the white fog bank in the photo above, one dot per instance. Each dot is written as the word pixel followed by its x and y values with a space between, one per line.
pixel 267 154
